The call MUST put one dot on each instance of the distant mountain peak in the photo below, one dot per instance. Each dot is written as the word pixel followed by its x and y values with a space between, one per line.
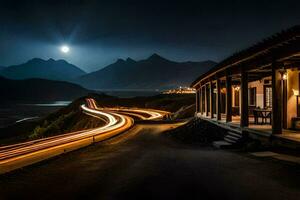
pixel 120 60
pixel 35 60
pixel 51 59
pixel 63 61
pixel 155 57
pixel 130 60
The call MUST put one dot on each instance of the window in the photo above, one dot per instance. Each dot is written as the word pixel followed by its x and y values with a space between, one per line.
pixel 252 96
pixel 268 97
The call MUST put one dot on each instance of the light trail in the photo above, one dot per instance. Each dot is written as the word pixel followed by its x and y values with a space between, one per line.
pixel 144 114
pixel 49 142
pixel 115 123
pixel 150 113
pixel 117 120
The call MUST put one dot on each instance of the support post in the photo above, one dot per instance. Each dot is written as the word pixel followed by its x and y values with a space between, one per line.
pixel 276 100
pixel 228 99
pixel 297 103
pixel 197 107
pixel 211 99
pixel 244 121
pixel 206 102
pixel 218 99
pixel 201 100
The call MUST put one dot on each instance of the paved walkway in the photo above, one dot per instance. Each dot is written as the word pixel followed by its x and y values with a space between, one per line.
pixel 261 130
pixel 279 156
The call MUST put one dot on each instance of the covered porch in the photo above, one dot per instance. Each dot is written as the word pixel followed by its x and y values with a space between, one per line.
pixel 255 90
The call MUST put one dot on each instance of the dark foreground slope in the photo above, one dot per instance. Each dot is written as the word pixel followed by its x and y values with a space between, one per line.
pixel 39 90
pixel 142 164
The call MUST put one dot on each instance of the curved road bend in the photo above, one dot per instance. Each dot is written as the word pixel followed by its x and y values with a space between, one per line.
pixel 142 114
pixel 23 154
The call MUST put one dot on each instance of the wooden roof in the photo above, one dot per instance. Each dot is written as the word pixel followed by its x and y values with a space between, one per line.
pixel 275 47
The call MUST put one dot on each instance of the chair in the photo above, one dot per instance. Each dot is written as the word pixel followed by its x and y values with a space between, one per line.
pixel 268 115
pixel 260 115
pixel 255 117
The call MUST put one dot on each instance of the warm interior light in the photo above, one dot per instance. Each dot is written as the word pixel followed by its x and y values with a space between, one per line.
pixel 223 90
pixel 236 88
pixel 296 92
pixel 284 76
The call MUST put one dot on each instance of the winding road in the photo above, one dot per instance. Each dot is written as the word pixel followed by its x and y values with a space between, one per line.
pixel 116 121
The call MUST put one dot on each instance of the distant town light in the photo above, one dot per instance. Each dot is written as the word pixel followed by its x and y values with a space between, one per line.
pixel 180 90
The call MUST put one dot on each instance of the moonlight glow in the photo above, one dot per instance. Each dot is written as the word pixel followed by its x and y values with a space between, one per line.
pixel 65 49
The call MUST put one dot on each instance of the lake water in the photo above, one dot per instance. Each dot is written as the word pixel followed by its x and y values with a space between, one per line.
pixel 49 104
pixel 20 112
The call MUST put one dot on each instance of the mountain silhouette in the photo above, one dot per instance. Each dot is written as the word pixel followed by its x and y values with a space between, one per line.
pixel 46 69
pixel 39 90
pixel 154 72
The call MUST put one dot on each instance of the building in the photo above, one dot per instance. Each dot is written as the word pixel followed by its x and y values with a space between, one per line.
pixel 180 90
pixel 256 89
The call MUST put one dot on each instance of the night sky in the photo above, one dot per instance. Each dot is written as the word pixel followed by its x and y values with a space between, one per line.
pixel 99 32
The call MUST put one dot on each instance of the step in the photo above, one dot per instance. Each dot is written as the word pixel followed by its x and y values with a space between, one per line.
pixel 222 144
pixel 232 137
pixel 234 134
pixel 230 140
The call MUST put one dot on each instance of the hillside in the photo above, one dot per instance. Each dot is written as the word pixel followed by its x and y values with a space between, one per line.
pixel 155 72
pixel 70 118
pixel 46 69
pixel 2 68
pixel 39 90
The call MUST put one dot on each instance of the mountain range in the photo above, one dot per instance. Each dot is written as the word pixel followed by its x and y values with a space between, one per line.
pixel 39 90
pixel 154 72
pixel 45 69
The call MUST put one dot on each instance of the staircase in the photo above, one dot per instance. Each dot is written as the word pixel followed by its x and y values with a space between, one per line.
pixel 231 140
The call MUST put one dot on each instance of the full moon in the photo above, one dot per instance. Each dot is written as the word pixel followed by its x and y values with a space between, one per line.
pixel 65 49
